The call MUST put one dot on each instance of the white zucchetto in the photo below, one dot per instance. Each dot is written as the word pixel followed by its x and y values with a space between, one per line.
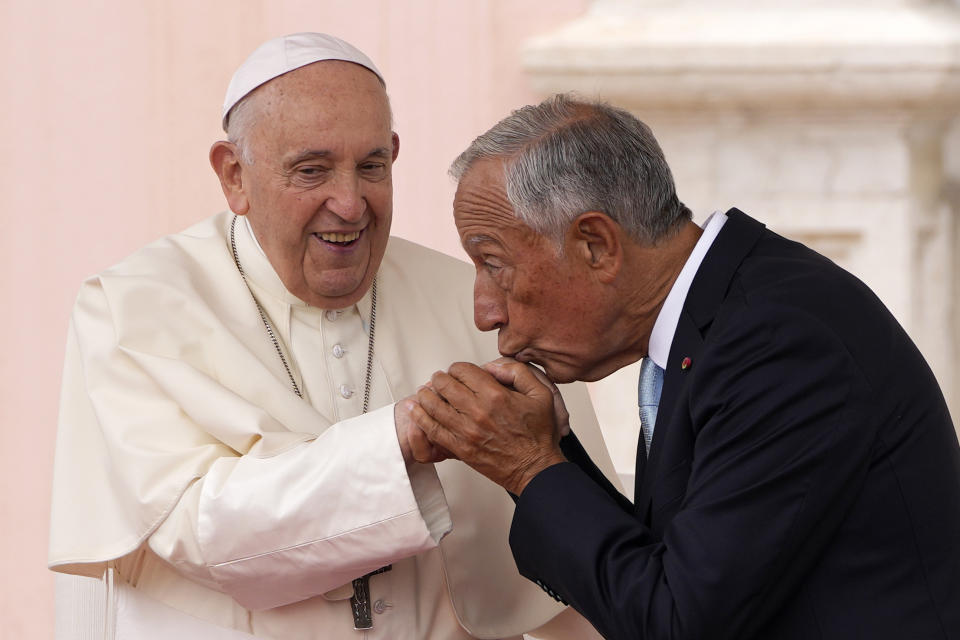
pixel 284 54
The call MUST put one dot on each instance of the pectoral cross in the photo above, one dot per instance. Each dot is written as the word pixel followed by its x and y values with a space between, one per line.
pixel 360 600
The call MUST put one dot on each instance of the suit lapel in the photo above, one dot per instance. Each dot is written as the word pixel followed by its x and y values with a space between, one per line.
pixel 709 288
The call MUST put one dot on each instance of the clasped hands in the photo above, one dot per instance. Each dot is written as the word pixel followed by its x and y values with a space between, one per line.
pixel 504 419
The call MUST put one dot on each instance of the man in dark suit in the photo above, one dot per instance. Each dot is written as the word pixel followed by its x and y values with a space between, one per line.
pixel 803 473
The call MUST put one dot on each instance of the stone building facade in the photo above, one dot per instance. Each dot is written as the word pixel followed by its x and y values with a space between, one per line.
pixel 834 122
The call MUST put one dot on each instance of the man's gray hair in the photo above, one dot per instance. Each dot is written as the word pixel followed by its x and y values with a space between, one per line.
pixel 564 157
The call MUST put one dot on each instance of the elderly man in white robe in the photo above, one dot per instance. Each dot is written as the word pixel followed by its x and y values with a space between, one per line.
pixel 234 452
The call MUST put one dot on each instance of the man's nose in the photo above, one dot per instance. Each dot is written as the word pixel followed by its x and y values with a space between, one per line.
pixel 346 197
pixel 489 309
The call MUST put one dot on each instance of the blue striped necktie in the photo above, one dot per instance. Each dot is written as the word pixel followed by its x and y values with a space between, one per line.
pixel 651 384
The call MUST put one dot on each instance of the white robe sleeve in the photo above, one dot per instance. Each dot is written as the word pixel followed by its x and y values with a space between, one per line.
pixel 276 530
pixel 151 449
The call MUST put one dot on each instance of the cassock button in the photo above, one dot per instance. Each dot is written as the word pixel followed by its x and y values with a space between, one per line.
pixel 332 314
pixel 346 391
pixel 338 351
pixel 686 363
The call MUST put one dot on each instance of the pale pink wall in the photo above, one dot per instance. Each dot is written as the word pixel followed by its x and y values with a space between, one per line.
pixel 107 111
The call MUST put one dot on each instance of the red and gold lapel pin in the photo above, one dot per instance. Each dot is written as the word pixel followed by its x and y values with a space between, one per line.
pixel 685 363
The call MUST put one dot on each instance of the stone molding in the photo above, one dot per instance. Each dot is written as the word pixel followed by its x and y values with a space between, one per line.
pixel 694 56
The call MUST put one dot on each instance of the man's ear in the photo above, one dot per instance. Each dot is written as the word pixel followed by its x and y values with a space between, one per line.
pixel 225 160
pixel 396 145
pixel 596 239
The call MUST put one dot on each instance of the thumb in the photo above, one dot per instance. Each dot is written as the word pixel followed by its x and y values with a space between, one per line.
pixel 560 412
pixel 524 380
pixel 502 369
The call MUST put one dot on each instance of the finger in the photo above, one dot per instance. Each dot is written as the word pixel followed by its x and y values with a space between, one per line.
pixel 539 374
pixel 443 454
pixel 420 446
pixel 501 371
pixel 440 411
pixel 438 435
pixel 559 406
pixel 474 378
pixel 503 360
pixel 452 390
pixel 506 370
pixel 524 378
pixel 561 415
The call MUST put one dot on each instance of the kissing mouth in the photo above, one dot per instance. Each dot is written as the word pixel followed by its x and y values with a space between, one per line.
pixel 339 239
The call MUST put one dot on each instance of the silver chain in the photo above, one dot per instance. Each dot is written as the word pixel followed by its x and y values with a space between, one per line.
pixel 276 342
pixel 368 380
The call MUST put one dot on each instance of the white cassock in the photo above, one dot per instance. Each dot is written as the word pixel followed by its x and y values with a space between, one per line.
pixel 188 470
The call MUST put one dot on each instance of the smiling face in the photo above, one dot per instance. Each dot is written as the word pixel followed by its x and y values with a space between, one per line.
pixel 549 307
pixel 319 191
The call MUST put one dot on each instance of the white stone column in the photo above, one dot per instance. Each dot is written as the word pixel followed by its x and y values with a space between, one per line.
pixel 834 122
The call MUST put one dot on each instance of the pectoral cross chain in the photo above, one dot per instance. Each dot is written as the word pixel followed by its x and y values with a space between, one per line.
pixel 360 600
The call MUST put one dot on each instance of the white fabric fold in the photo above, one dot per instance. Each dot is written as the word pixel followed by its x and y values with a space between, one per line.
pixel 286 552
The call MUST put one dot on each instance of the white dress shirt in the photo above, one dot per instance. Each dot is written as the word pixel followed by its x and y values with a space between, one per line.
pixel 666 325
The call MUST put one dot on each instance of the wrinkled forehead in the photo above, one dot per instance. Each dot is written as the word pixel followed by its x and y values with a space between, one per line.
pixel 481 196
pixel 484 216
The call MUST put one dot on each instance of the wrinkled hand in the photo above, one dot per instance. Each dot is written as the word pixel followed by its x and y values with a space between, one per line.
pixel 503 374
pixel 414 444
pixel 500 420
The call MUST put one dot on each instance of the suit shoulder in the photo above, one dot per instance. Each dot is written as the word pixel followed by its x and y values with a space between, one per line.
pixel 791 287
pixel 791 273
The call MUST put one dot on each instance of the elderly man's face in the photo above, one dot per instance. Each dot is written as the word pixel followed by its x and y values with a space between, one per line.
pixel 546 306
pixel 319 191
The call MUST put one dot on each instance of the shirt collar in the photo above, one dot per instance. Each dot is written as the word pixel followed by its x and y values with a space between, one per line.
pixel 666 325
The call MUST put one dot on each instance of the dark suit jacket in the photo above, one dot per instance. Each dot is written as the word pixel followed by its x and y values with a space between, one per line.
pixel 804 477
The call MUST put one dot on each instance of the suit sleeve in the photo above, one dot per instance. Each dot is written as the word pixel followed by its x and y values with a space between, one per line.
pixel 781 446
pixel 574 451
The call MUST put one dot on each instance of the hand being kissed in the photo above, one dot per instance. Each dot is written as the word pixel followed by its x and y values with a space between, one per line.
pixel 504 419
